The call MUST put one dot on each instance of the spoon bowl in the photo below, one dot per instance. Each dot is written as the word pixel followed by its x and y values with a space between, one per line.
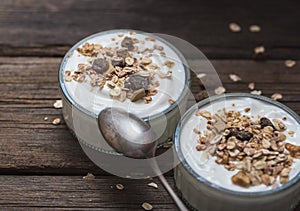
pixel 132 136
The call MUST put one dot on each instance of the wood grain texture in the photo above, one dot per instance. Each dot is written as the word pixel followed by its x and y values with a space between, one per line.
pixel 29 88
pixel 49 28
pixel 76 193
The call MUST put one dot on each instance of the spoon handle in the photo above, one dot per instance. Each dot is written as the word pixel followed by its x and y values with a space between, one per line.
pixel 172 193
pixel 181 206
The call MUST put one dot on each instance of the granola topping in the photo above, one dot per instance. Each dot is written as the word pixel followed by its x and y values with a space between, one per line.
pixel 127 69
pixel 256 148
pixel 241 149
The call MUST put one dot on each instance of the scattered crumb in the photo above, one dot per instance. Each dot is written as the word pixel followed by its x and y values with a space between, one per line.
pixel 58 104
pixel 220 90
pixel 171 101
pixel 233 105
pixel 277 96
pixel 89 176
pixel 234 77
pixel 234 27
pixel 290 63
pixel 120 35
pixel 45 118
pixel 56 121
pixel 152 184
pixel 259 49
pixel 201 75
pixel 251 85
pixel 284 118
pixel 256 92
pixel 254 28
pixel 168 144
pixel 147 206
pixel 291 133
pixel 247 110
pixel 119 186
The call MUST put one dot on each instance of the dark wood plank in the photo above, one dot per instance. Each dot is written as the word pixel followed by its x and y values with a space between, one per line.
pixel 29 88
pixel 49 28
pixel 76 193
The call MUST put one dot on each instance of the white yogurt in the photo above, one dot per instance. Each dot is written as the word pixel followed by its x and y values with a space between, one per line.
pixel 95 100
pixel 216 173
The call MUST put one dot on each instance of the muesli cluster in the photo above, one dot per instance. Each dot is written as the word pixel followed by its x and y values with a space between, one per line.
pixel 128 72
pixel 258 149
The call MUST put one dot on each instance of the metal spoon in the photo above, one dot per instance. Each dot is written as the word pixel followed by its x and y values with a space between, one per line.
pixel 131 136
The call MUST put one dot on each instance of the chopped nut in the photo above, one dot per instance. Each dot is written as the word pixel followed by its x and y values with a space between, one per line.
pixel 89 176
pixel 260 165
pixel 247 110
pixel 146 61
pixel 205 114
pixel 266 179
pixel 284 180
pixel 115 92
pixel 201 75
pixel 129 61
pixel 234 77
pixel 168 145
pixel 68 78
pixel 152 184
pixel 201 147
pixel 169 63
pixel 150 39
pixel 256 92
pixel 56 121
pixel 254 28
pixel 279 125
pixel 230 145
pixel 285 172
pixel 234 27
pixel 58 104
pixel 293 149
pixel 241 179
pixel 171 101
pixel 259 49
pixel 290 63
pixel 158 47
pixel 276 96
pixel 119 186
pixel 138 94
pixel 220 90
pixel 266 144
pixel 147 206
pixel 251 85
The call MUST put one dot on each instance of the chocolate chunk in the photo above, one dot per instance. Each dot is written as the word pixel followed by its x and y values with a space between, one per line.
pixel 241 135
pixel 127 43
pixel 123 52
pixel 118 61
pixel 135 82
pixel 137 95
pixel 100 65
pixel 264 122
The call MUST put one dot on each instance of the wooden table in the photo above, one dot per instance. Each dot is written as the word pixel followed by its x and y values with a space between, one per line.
pixel 42 165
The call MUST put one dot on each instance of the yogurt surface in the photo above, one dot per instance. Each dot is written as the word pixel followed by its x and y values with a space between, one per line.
pixel 215 173
pixel 94 100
